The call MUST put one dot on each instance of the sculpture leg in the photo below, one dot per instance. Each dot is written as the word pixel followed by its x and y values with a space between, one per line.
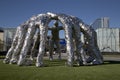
pixel 91 39
pixel 69 45
pixel 93 46
pixel 99 56
pixel 79 50
pixel 9 54
pixel 35 45
pixel 22 34
pixel 98 51
pixel 43 37
pixel 90 54
pixel 83 55
pixel 99 59
pixel 16 52
pixel 27 45
pixel 95 58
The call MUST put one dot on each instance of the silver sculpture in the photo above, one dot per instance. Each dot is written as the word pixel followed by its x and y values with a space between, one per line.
pixel 24 40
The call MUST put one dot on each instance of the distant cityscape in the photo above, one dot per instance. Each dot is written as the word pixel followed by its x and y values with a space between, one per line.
pixel 107 38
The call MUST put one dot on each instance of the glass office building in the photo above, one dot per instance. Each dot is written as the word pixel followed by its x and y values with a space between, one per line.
pixel 101 23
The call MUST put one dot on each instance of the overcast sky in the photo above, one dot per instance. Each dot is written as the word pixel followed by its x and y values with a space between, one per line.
pixel 15 12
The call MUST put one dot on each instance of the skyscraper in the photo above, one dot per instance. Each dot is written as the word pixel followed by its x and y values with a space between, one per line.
pixel 101 23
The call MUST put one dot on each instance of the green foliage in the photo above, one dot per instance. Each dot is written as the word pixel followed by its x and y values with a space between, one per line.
pixel 56 70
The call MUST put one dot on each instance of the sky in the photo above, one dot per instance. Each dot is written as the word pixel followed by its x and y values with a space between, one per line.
pixel 15 12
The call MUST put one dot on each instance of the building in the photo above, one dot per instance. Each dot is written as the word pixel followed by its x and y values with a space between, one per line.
pixel 1 39
pixel 108 39
pixel 8 37
pixel 101 23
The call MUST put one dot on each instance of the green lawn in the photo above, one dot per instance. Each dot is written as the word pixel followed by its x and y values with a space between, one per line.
pixel 56 70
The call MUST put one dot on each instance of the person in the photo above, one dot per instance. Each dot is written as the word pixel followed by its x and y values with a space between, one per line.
pixel 55 39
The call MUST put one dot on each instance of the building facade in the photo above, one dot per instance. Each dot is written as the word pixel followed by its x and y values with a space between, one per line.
pixel 8 37
pixel 1 39
pixel 101 23
pixel 108 39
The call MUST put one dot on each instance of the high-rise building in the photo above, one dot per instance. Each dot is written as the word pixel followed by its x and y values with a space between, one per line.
pixel 101 23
